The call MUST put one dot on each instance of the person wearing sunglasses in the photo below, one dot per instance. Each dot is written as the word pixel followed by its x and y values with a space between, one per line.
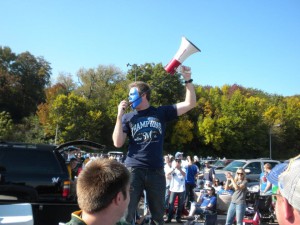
pixel 217 186
pixel 206 204
pixel 286 176
pixel 237 205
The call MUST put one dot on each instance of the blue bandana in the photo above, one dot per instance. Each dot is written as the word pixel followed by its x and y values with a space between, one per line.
pixel 134 97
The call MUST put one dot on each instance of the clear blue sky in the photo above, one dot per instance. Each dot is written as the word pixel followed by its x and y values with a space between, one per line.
pixel 253 43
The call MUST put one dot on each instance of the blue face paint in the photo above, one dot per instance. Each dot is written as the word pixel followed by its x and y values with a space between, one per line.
pixel 134 97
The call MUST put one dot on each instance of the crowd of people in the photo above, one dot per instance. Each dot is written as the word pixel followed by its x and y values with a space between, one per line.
pixel 96 204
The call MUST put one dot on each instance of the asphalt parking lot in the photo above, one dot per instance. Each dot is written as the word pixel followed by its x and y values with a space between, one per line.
pixel 220 221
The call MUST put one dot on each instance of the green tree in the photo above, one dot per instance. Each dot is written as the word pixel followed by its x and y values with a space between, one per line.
pixel 286 135
pixel 76 118
pixel 231 121
pixel 45 107
pixel 29 130
pixel 23 78
pixel 182 132
pixel 6 126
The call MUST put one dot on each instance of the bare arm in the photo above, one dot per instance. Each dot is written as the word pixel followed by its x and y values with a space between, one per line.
pixel 268 187
pixel 236 186
pixel 190 95
pixel 227 185
pixel 170 172
pixel 233 183
pixel 119 136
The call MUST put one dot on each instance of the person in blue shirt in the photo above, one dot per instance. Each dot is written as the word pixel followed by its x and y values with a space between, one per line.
pixel 190 182
pixel 145 129
pixel 206 204
pixel 265 185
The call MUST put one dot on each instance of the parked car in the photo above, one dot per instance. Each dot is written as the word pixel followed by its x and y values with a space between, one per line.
pixel 38 174
pixel 221 163
pixel 252 167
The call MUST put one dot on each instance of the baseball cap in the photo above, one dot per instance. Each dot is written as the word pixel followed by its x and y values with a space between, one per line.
pixel 178 154
pixel 196 158
pixel 207 182
pixel 289 182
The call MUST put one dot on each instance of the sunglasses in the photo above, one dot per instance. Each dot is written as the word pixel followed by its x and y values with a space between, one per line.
pixel 240 174
pixel 177 160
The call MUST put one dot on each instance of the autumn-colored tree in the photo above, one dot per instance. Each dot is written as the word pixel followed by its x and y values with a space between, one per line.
pixel 44 109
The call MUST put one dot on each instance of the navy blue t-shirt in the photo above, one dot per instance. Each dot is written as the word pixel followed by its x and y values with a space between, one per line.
pixel 146 130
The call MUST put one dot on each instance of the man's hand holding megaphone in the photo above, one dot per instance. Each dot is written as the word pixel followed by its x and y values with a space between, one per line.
pixel 186 73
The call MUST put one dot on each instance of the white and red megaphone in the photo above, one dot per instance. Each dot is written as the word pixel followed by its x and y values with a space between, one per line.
pixel 186 49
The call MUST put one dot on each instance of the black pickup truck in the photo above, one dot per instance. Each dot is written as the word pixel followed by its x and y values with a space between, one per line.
pixel 38 174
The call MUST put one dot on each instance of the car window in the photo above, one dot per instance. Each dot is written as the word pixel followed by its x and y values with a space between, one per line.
pixel 15 161
pixel 254 167
pixel 234 165
pixel 219 163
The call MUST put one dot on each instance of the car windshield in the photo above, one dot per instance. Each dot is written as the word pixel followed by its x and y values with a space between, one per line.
pixel 219 163
pixel 234 165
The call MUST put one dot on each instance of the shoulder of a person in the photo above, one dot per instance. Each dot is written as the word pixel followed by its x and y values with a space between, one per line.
pixel 166 107
pixel 127 116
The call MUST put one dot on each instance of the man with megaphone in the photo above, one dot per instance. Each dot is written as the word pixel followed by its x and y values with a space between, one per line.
pixel 145 128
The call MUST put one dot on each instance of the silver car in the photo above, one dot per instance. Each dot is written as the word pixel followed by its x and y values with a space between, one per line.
pixel 252 167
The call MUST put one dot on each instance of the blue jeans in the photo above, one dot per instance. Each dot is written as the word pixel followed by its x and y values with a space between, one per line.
pixel 237 210
pixel 167 196
pixel 153 181
pixel 179 207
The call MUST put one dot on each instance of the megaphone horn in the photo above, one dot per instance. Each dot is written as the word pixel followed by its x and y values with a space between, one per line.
pixel 186 49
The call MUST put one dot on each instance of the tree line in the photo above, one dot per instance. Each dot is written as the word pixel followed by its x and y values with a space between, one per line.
pixel 229 121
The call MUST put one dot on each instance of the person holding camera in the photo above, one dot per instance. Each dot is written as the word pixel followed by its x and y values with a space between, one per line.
pixel 237 205
pixel 177 189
